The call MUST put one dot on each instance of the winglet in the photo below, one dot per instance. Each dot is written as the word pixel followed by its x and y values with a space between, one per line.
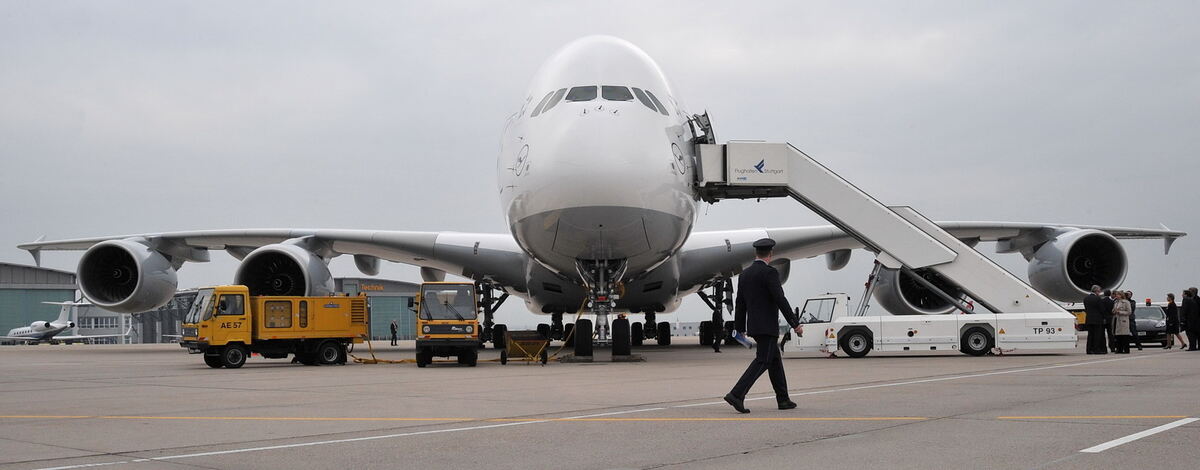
pixel 1168 240
pixel 37 252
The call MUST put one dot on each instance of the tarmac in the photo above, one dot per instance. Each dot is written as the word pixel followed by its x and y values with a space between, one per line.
pixel 155 406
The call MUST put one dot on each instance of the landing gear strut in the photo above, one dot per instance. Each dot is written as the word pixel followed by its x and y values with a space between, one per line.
pixel 490 303
pixel 721 298
pixel 601 278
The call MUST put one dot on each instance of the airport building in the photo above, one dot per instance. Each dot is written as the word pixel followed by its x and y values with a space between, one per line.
pixel 24 288
pixel 390 300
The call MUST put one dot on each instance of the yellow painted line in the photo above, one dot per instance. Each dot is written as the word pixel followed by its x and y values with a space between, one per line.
pixel 1096 417
pixel 43 417
pixel 634 420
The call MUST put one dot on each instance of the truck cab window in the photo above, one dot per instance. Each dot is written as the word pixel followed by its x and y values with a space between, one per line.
pixel 615 93
pixel 817 311
pixel 582 93
pixel 230 304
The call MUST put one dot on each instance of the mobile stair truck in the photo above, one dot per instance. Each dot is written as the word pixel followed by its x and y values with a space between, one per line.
pixel 902 240
pixel 226 324
pixel 829 326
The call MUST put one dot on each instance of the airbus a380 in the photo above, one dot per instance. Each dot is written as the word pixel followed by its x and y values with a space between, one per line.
pixel 597 179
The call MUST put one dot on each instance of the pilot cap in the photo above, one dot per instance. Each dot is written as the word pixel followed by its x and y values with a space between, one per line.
pixel 764 244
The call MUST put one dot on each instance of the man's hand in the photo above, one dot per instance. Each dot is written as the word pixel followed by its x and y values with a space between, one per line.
pixel 799 330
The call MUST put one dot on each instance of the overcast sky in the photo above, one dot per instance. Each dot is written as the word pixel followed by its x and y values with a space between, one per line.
pixel 126 117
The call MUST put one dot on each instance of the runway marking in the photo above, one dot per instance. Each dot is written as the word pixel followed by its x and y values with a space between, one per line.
pixel 1096 417
pixel 635 420
pixel 491 426
pixel 237 418
pixel 600 417
pixel 1138 435
pixel 921 381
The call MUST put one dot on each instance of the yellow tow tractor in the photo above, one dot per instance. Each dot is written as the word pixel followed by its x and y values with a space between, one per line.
pixel 447 324
pixel 226 324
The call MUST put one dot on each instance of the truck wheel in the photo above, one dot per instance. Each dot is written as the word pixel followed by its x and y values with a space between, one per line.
pixel 233 356
pixel 635 334
pixel 664 334
pixel 468 357
pixel 327 353
pixel 976 342
pixel 214 361
pixel 424 357
pixel 498 332
pixel 583 338
pixel 856 343
pixel 504 357
pixel 620 337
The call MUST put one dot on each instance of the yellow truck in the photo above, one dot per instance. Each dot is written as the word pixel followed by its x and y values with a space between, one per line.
pixel 447 324
pixel 226 324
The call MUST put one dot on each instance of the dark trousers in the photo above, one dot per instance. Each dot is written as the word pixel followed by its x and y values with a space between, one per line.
pixel 1096 340
pixel 393 339
pixel 1193 337
pixel 767 358
pixel 1112 335
pixel 1123 344
pixel 1134 337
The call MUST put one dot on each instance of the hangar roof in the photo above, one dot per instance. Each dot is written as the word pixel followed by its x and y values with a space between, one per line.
pixel 18 276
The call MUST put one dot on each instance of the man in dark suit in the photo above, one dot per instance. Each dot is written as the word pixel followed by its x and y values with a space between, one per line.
pixel 759 303
pixel 1133 331
pixel 1093 307
pixel 1191 315
pixel 1106 303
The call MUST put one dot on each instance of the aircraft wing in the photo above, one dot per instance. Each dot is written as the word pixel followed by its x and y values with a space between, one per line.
pixel 495 257
pixel 710 255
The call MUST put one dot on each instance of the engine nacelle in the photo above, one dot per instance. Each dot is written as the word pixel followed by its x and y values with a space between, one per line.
pixel 284 269
pixel 126 276
pixel 1065 268
pixel 900 294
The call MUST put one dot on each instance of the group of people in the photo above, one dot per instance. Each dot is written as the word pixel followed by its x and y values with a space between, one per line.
pixel 1111 324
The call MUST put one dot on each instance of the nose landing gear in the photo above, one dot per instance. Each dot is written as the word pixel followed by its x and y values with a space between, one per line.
pixel 601 278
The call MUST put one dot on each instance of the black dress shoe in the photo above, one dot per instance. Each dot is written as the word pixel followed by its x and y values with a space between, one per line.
pixel 736 403
pixel 787 405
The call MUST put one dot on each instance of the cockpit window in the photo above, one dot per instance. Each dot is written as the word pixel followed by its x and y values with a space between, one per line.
pixel 615 93
pixel 538 109
pixel 662 109
pixel 582 93
pixel 558 95
pixel 646 101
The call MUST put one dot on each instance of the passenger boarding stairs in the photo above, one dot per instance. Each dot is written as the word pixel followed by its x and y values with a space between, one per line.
pixel 901 237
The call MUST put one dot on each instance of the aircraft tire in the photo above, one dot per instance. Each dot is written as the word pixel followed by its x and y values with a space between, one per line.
pixel 705 335
pixel 568 335
pixel 498 333
pixel 544 330
pixel 636 336
pixel 620 337
pixel 583 343
pixel 664 334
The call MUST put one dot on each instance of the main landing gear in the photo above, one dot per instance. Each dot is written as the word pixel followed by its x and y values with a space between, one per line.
pixel 714 332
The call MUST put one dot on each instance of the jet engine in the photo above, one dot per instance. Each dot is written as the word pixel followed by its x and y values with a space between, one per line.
pixel 900 294
pixel 1065 268
pixel 126 276
pixel 284 269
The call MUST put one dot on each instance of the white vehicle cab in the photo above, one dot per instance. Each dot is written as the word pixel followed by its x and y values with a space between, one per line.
pixel 829 326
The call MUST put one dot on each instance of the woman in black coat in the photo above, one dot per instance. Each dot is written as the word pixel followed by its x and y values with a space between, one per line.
pixel 1173 324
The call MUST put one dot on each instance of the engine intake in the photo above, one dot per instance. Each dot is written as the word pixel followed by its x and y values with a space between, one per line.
pixel 284 269
pixel 126 276
pixel 900 294
pixel 1065 268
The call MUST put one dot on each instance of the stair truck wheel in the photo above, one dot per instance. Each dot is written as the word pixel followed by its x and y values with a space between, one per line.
pixel 328 353
pixel 214 361
pixel 635 334
pixel 976 342
pixel 233 356
pixel 620 337
pixel 498 332
pixel 856 343
pixel 583 338
pixel 664 334
pixel 424 357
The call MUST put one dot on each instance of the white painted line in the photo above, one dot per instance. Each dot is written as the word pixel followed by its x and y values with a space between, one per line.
pixel 519 423
pixel 1138 435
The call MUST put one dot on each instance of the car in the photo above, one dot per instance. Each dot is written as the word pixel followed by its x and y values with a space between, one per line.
pixel 1151 323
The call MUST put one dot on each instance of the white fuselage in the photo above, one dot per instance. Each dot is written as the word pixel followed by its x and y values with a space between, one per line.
pixel 604 177
pixel 39 331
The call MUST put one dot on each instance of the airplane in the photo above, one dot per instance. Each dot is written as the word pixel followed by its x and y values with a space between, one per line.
pixel 597 180
pixel 49 331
